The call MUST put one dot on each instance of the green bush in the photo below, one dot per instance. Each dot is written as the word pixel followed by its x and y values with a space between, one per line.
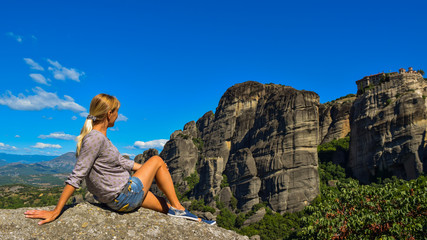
pixel 395 210
pixel 224 181
pixel 332 146
pixel 274 226
pixel 192 180
pixel 226 219
pixel 199 205
pixel 233 202
pixel 198 142
pixel 329 171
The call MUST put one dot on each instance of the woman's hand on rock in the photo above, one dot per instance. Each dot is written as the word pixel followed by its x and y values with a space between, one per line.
pixel 47 216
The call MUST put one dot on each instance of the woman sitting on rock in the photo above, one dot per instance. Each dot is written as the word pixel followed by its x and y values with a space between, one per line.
pixel 107 173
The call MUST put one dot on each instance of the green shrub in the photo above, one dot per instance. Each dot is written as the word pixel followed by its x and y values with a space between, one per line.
pixel 224 181
pixel 226 219
pixel 199 205
pixel 342 144
pixel 192 180
pixel 395 210
pixel 330 171
pixel 184 136
pixel 198 142
pixel 233 202
pixel 274 226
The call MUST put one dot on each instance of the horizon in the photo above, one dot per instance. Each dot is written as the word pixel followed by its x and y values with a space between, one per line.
pixel 170 62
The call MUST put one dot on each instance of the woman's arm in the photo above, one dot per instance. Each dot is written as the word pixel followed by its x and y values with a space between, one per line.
pixel 136 166
pixel 49 216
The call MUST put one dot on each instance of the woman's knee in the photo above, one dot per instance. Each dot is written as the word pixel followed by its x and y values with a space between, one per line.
pixel 158 160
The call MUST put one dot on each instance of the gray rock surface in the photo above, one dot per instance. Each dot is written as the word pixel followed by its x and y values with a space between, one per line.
pixel 147 154
pixel 181 155
pixel 334 119
pixel 87 221
pixel 258 216
pixel 388 129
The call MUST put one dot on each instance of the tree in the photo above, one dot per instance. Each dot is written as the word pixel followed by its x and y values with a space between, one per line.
pixel 421 71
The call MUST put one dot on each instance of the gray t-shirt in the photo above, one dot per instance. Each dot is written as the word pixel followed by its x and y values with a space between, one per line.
pixel 100 163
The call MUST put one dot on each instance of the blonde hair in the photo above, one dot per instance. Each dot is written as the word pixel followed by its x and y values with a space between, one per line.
pixel 100 105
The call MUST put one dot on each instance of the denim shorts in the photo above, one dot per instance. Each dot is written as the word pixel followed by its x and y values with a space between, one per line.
pixel 130 197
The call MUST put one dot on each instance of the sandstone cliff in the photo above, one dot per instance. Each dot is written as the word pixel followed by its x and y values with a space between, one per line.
pixel 87 221
pixel 334 119
pixel 262 138
pixel 388 128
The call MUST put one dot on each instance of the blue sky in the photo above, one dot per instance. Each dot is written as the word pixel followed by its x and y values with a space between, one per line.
pixel 169 62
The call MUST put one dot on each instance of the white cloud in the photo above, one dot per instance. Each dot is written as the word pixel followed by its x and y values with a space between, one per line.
pixel 18 38
pixel 39 78
pixel 74 117
pixel 33 64
pixel 84 114
pixel 129 154
pixel 63 73
pixel 58 135
pixel 121 117
pixel 114 129
pixel 150 144
pixel 17 136
pixel 7 147
pixel 46 145
pixel 39 101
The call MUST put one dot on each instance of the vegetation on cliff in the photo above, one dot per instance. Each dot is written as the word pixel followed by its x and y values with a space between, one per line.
pixel 392 209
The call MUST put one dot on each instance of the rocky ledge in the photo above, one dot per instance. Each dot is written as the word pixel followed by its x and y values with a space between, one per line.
pixel 88 221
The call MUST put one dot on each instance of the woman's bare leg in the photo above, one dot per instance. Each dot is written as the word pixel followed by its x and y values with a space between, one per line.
pixel 155 203
pixel 155 168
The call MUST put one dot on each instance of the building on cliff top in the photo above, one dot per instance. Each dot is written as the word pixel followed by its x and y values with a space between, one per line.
pixel 376 79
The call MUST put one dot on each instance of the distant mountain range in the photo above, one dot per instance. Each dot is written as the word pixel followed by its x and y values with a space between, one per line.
pixel 62 164
pixel 27 159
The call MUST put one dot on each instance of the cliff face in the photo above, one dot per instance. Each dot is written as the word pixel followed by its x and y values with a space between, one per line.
pixel 263 138
pixel 334 119
pixel 87 221
pixel 388 129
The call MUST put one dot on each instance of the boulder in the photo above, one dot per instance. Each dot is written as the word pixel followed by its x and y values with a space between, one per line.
pixel 258 216
pixel 87 221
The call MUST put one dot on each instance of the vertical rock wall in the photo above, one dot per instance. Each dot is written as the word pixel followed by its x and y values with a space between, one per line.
pixel 334 119
pixel 264 139
pixel 388 129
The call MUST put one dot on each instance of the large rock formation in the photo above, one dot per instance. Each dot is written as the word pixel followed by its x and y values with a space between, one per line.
pixel 87 221
pixel 180 153
pixel 388 127
pixel 263 138
pixel 334 119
